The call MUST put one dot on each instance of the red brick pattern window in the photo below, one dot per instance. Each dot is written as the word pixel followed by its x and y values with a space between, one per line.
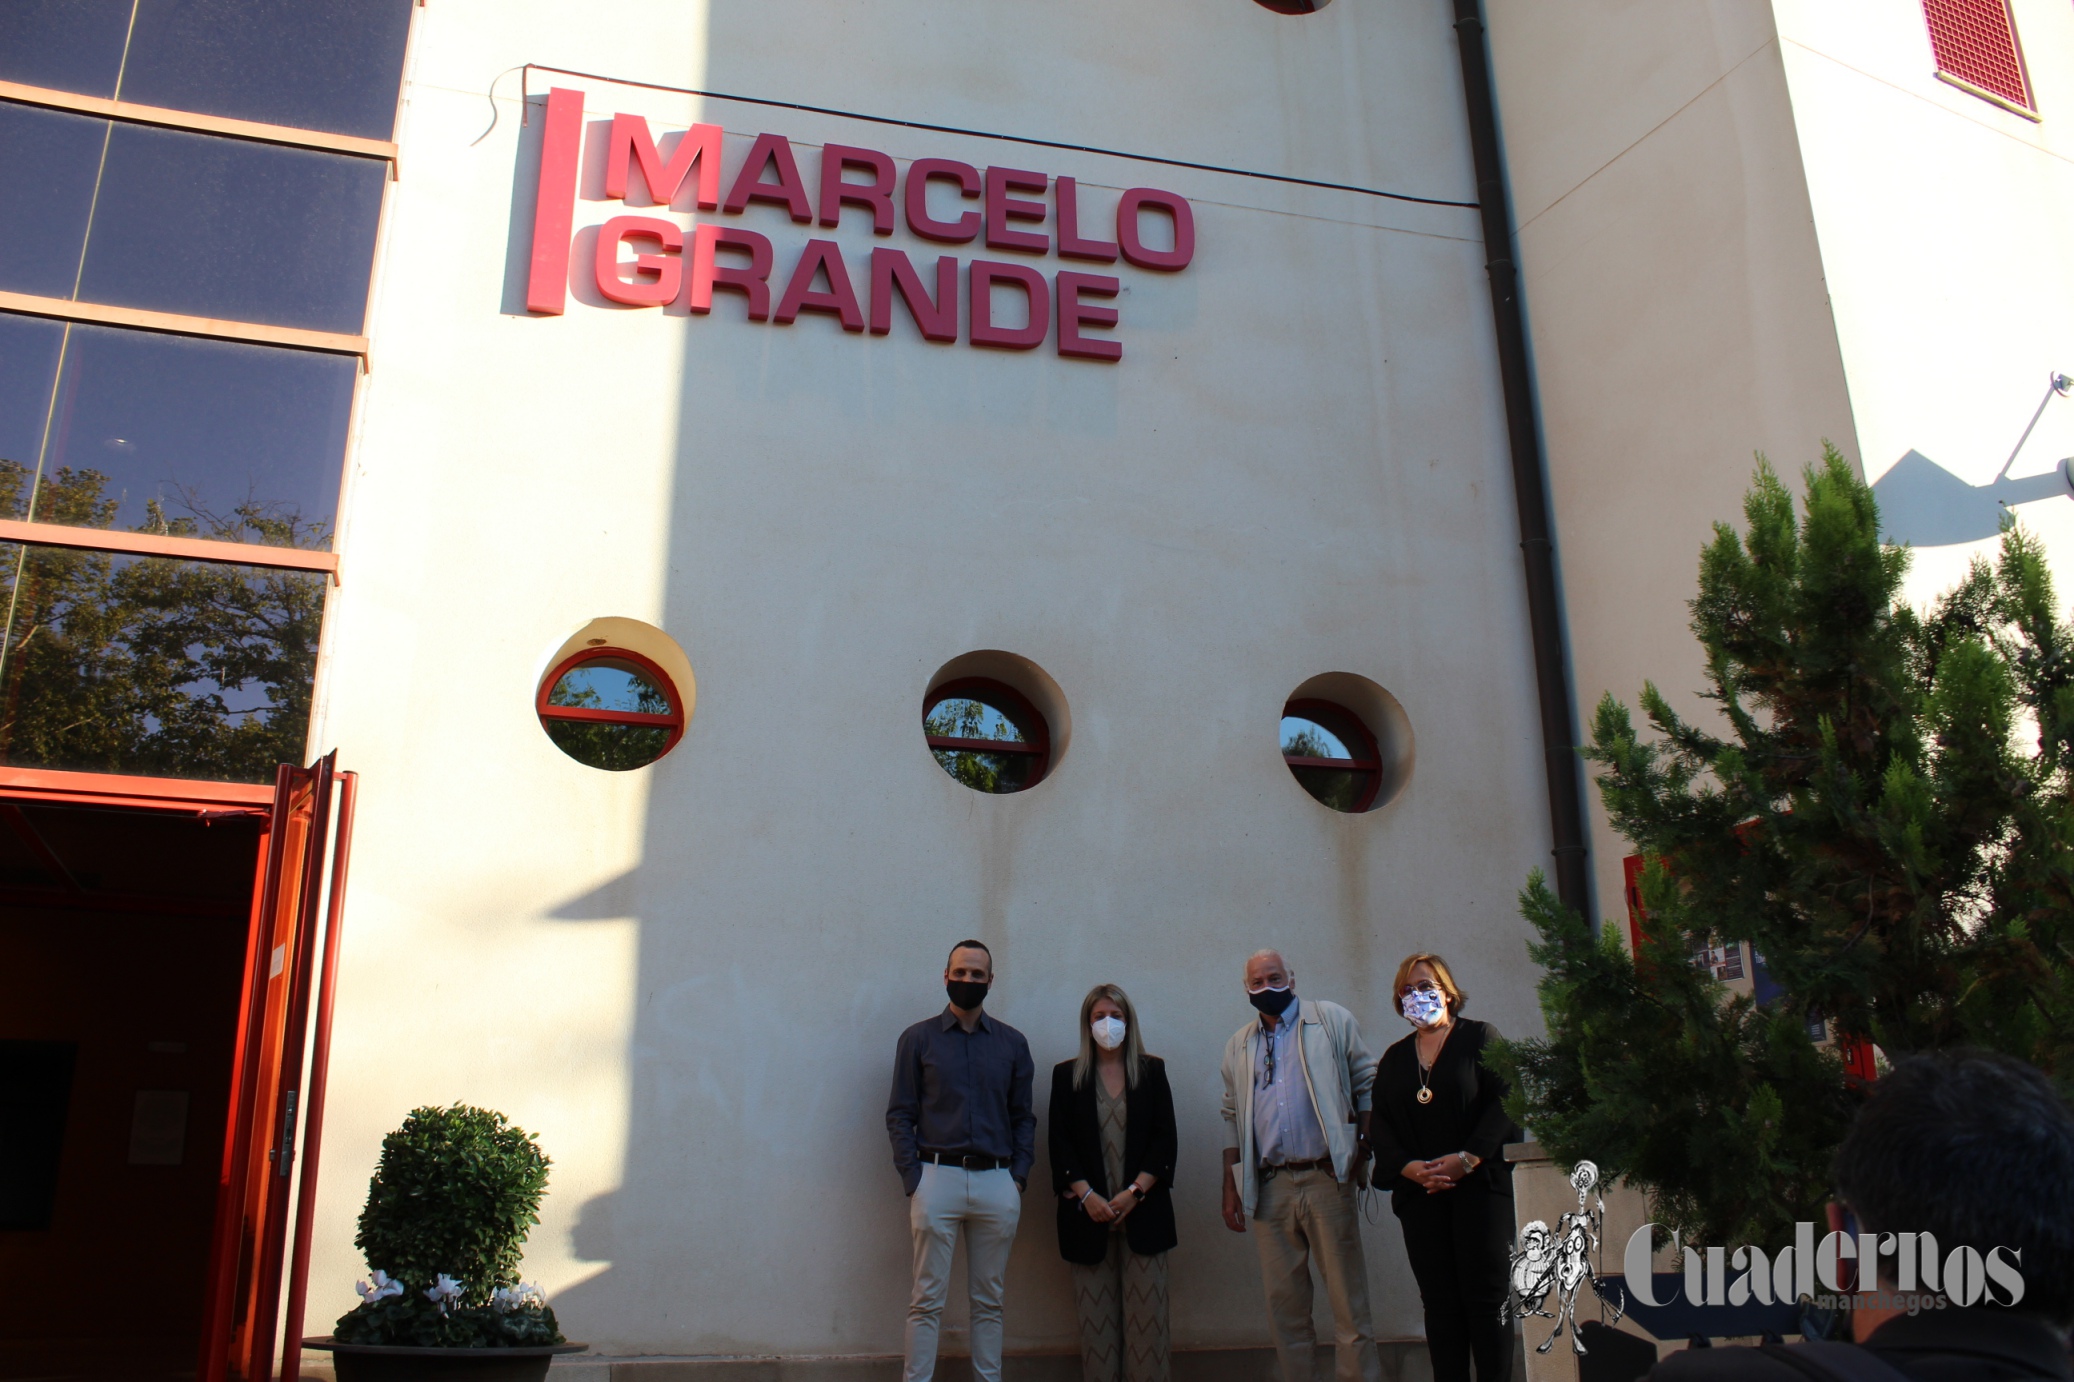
pixel 1975 41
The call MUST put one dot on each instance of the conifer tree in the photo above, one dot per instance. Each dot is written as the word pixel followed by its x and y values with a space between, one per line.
pixel 1882 810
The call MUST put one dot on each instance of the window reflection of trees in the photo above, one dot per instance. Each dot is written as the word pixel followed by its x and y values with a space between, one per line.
pixel 1342 789
pixel 152 665
pixel 615 748
pixel 962 717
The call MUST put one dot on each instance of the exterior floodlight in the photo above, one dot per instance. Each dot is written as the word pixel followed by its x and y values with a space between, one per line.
pixel 2062 385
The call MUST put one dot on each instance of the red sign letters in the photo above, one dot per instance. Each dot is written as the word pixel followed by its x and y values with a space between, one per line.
pixel 651 261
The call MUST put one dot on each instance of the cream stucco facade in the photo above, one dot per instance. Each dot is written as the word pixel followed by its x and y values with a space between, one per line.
pixel 688 979
pixel 1749 227
pixel 1740 227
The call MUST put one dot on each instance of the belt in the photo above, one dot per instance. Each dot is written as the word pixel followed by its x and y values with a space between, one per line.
pixel 971 1161
pixel 1323 1163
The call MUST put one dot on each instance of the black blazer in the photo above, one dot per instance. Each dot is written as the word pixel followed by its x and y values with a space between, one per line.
pixel 1149 1144
pixel 1467 1113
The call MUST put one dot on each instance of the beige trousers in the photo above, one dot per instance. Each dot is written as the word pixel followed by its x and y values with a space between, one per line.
pixel 986 1206
pixel 1304 1217
pixel 1122 1305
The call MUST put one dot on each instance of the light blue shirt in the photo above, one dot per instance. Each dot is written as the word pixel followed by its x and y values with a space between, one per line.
pixel 1285 1126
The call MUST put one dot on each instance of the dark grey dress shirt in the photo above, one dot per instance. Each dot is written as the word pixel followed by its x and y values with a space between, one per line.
pixel 960 1091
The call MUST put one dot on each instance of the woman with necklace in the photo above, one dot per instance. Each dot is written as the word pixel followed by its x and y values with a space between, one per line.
pixel 1113 1146
pixel 1440 1125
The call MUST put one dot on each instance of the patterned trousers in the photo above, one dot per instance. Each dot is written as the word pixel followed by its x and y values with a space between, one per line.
pixel 1122 1304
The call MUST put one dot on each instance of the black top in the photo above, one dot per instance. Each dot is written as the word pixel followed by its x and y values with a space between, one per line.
pixel 1467 1112
pixel 1950 1345
pixel 1149 1144
pixel 960 1091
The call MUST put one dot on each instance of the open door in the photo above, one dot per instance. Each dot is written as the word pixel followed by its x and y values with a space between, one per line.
pixel 268 1098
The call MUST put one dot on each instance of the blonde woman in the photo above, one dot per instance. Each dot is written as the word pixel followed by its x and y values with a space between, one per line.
pixel 1112 1159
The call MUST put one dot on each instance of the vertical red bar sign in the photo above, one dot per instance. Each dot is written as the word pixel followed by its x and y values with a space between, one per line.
pixel 1638 915
pixel 554 208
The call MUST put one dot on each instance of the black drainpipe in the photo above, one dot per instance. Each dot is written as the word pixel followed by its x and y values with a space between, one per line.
pixel 1529 476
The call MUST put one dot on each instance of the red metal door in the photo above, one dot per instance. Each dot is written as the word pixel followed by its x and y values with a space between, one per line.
pixel 252 1202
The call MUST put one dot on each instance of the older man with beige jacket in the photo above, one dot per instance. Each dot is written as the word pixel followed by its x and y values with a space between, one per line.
pixel 1296 1104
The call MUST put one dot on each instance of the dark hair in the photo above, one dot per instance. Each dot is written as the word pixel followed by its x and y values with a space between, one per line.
pixel 1977 1149
pixel 980 946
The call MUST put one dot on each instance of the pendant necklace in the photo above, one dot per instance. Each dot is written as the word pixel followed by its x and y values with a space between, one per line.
pixel 1425 1095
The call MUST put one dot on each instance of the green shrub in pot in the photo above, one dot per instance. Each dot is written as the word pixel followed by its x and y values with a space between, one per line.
pixel 448 1210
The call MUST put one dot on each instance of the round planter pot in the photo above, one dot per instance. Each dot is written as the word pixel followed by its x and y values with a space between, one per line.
pixel 383 1363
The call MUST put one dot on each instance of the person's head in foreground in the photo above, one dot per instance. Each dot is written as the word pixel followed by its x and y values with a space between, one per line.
pixel 1976 1149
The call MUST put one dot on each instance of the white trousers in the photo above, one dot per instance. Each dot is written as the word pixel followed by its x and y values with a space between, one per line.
pixel 987 1205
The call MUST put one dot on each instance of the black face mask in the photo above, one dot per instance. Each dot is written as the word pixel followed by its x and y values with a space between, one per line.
pixel 965 993
pixel 1273 1002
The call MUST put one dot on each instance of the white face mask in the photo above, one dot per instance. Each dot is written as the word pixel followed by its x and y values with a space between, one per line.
pixel 1424 1007
pixel 1108 1032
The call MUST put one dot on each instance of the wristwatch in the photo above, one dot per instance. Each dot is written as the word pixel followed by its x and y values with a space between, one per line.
pixel 1469 1161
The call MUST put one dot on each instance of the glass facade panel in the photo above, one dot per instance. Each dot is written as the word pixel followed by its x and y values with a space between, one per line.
pixel 48 162
pixel 158 433
pixel 153 666
pixel 28 367
pixel 65 45
pixel 331 65
pixel 188 223
pixel 229 228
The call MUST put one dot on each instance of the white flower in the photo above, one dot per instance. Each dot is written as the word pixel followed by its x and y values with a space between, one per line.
pixel 519 1297
pixel 444 1291
pixel 378 1287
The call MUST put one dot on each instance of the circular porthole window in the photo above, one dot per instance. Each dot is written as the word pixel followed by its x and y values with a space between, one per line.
pixel 987 735
pixel 611 708
pixel 1346 741
pixel 1331 753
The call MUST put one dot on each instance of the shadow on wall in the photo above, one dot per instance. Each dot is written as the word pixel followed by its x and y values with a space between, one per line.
pixel 1924 505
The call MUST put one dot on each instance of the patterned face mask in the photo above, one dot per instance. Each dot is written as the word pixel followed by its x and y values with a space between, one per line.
pixel 1424 1007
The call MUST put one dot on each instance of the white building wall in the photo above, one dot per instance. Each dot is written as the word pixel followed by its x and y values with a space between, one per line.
pixel 1677 308
pixel 1944 221
pixel 688 980
pixel 1751 226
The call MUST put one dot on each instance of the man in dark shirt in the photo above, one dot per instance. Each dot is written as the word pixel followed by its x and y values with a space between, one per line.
pixel 1978 1151
pixel 964 1135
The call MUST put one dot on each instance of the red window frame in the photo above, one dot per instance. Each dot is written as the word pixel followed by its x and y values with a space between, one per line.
pixel 674 721
pixel 1975 45
pixel 1012 705
pixel 1332 715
